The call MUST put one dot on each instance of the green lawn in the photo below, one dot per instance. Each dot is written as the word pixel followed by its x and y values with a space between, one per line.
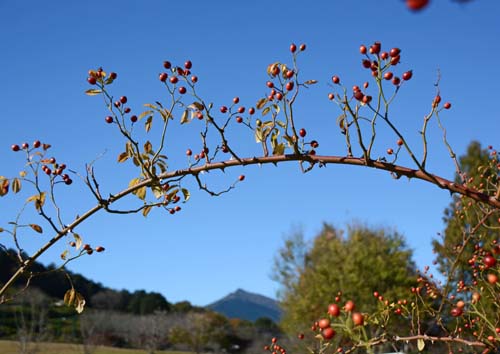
pixel 11 347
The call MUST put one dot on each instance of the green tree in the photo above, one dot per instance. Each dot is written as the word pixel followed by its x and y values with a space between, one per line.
pixel 359 263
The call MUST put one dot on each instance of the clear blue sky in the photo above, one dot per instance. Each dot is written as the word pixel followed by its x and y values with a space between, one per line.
pixel 216 245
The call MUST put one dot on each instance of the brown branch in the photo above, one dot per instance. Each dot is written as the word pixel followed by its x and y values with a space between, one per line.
pixel 322 160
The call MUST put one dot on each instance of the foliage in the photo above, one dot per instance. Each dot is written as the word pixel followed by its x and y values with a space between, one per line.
pixel 338 267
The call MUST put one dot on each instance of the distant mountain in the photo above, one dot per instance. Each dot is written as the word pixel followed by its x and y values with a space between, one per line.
pixel 247 306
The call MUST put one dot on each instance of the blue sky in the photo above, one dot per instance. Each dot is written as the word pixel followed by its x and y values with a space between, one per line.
pixel 216 245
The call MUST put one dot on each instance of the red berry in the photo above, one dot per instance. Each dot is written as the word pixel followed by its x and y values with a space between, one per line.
pixel 314 144
pixel 109 119
pixel 239 119
pixel 357 319
pixel 396 80
pixel 15 147
pixel 407 75
pixel 174 80
pixel 163 77
pixel 358 95
pixel 188 64
pixel 388 75
pixel 127 110
pixel 113 75
pixel 182 90
pixel 293 48
pixel 279 96
pixel 302 47
pixel 399 142
pixel 349 306
pixel 335 79
pixel 123 99
pixel 92 80
pixel 416 5
pixel 289 86
pixel 189 152
pixel 133 119
pixel 36 144
pixel 289 74
pixel 362 49
pixel 366 63
pixel 395 60
pixel 334 310
pixel 167 64
pixel 366 99
pixel 251 110
pixel 492 278
pixel 324 323
pixel 223 109
pixel 447 105
pixel 328 333
pixel 390 151
pixel 302 132
pixel 375 48
pixel 331 96
pixel 194 79
pixel 456 312
pixel 394 52
pixel 384 55
pixel 236 100
pixel 489 261
pixel 99 249
pixel 241 177
pixel 241 110
pixel 25 146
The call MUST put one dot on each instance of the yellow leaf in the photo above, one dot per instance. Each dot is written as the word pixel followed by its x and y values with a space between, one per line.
pixel 134 182
pixel 79 303
pixel 16 185
pixel 69 297
pixel 186 194
pixel 184 118
pixel 148 124
pixel 420 344
pixel 78 240
pixel 64 255
pixel 148 147
pixel 93 92
pixel 141 193
pixel 261 103
pixel 145 113
pixel 146 210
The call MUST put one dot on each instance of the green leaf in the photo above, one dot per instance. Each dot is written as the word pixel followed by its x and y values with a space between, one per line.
pixel 37 228
pixel 186 194
pixel 93 92
pixel 420 344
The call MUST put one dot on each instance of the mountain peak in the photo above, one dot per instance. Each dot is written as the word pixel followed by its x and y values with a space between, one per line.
pixel 247 306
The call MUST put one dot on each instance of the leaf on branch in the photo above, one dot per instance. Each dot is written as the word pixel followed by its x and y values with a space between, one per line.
pixel 123 157
pixel 146 210
pixel 266 111
pixel 93 92
pixel 311 82
pixel 1 229
pixel 69 297
pixel 140 193
pixel 16 185
pixel 37 228
pixel 258 135
pixel 64 255
pixel 4 186
pixel 165 114
pixel 199 106
pixel 271 67
pixel 78 240
pixel 184 118
pixel 279 149
pixel 145 113
pixel 186 194
pixel 149 123
pixel 134 181
pixel 152 106
pixel 261 103
pixel 23 174
pixel 420 344
pixel 148 147
pixel 281 124
pixel 157 191
pixel 79 303
pixel 39 200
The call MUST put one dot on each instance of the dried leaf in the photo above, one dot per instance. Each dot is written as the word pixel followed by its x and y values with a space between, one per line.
pixel 186 194
pixel 93 92
pixel 420 344
pixel 64 255
pixel 79 303
pixel 146 210
pixel 149 123
pixel 133 182
pixel 69 297
pixel 279 149
pixel 145 113
pixel 184 118
pixel 151 106
pixel 123 157
pixel 310 82
pixel 148 147
pixel 198 106
pixel 78 240
pixel 258 135
pixel 261 103
pixel 266 111
pixel 140 193
pixel 37 228
pixel 16 185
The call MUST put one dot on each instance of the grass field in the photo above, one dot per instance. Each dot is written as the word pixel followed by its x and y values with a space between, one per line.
pixel 11 347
